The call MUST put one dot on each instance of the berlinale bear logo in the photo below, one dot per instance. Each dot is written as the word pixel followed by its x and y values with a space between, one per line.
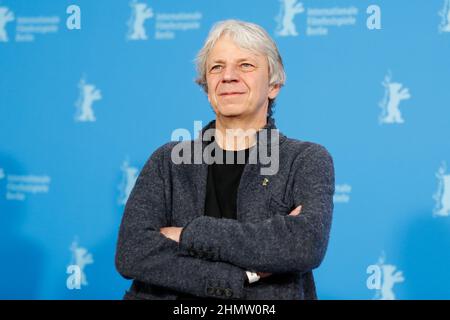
pixel 390 105
pixel 5 16
pixel 139 13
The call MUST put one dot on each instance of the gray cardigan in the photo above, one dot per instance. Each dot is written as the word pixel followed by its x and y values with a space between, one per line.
pixel 213 254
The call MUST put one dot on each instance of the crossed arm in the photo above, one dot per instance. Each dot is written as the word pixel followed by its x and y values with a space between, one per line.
pixel 173 233
pixel 145 255
pixel 150 251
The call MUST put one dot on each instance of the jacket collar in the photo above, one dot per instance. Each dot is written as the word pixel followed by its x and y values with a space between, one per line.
pixel 260 134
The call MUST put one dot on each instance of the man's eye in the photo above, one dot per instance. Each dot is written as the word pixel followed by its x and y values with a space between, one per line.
pixel 216 68
pixel 247 66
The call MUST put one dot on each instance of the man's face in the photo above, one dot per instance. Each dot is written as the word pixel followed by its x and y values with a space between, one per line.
pixel 238 81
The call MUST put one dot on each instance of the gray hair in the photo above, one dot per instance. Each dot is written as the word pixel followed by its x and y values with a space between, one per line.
pixel 248 36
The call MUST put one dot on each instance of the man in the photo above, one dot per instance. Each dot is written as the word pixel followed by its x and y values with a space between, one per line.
pixel 219 230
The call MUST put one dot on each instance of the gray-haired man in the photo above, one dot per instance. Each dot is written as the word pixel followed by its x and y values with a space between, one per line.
pixel 221 229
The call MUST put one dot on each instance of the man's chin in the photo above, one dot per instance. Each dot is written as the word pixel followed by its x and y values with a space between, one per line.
pixel 231 110
pixel 231 114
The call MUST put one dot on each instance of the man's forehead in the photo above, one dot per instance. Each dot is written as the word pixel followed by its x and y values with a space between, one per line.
pixel 223 56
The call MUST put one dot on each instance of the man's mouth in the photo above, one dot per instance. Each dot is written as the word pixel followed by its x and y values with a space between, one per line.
pixel 231 93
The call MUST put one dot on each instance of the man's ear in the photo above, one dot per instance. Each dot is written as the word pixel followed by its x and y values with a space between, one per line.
pixel 274 90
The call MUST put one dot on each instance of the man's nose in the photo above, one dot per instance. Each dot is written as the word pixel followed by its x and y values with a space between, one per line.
pixel 230 74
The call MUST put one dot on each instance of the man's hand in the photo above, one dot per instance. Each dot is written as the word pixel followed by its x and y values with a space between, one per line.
pixel 294 212
pixel 172 233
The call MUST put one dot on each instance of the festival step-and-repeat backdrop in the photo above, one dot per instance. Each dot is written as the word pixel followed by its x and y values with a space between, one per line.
pixel 90 88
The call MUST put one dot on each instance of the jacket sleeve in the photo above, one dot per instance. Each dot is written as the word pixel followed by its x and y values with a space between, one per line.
pixel 282 243
pixel 144 254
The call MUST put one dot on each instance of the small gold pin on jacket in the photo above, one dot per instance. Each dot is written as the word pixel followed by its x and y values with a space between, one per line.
pixel 265 182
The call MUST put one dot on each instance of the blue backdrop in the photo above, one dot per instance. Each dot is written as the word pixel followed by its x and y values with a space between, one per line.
pixel 88 92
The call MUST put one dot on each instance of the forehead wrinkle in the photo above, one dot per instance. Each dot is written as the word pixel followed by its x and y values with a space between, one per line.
pixel 237 60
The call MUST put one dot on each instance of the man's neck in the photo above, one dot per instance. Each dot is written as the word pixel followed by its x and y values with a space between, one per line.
pixel 237 134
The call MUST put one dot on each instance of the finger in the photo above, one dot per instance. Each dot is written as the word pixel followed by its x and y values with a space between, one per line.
pixel 296 211
pixel 264 274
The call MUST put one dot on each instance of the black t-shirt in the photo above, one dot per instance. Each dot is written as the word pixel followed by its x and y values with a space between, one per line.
pixel 223 182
